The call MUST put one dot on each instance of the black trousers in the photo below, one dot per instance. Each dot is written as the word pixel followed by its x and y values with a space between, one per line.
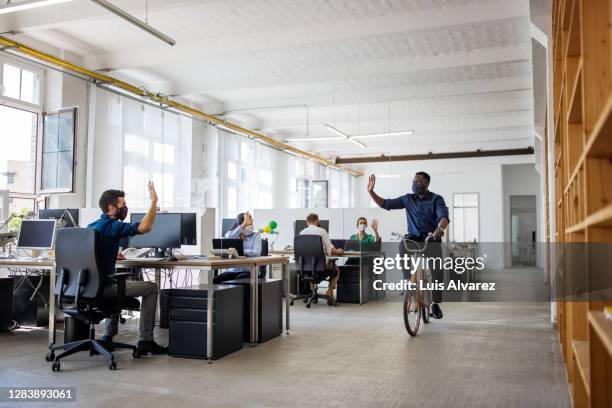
pixel 434 250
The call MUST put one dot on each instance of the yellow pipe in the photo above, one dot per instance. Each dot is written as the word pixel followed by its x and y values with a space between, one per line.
pixel 215 120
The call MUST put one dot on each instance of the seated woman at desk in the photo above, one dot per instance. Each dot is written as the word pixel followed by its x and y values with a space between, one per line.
pixel 243 229
pixel 362 235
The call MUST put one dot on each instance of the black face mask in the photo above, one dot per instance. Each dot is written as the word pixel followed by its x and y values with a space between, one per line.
pixel 122 213
pixel 417 188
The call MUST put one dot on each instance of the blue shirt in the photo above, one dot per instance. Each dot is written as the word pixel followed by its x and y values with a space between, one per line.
pixel 111 230
pixel 422 214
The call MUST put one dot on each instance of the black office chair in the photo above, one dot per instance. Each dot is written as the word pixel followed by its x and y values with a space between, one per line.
pixel 311 266
pixel 80 284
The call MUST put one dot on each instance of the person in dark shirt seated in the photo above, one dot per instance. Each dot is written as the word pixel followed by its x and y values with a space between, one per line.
pixel 111 230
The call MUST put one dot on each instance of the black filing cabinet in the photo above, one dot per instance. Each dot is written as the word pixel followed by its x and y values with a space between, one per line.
pixel 270 308
pixel 188 316
pixel 348 283
pixel 6 303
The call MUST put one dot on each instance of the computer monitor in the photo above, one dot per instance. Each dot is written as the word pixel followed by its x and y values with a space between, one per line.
pixel 189 230
pixel 36 234
pixel 227 243
pixel 165 234
pixel 356 245
pixel 301 224
pixel 226 225
pixel 58 214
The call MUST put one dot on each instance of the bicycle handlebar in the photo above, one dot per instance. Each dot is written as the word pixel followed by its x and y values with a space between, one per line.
pixel 404 240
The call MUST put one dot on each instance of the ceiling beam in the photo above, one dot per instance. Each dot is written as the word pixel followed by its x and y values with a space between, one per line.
pixel 320 95
pixel 301 36
pixel 259 76
pixel 434 156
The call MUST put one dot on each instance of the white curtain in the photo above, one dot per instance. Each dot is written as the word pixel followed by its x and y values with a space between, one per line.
pixel 136 143
pixel 248 171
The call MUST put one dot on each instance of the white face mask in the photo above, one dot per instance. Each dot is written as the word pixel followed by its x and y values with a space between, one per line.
pixel 362 227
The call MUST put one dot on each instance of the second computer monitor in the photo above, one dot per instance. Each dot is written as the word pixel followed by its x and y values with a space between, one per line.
pixel 58 214
pixel 227 225
pixel 189 230
pixel 166 232
pixel 301 224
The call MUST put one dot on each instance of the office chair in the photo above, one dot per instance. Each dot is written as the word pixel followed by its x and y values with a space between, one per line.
pixel 80 283
pixel 311 266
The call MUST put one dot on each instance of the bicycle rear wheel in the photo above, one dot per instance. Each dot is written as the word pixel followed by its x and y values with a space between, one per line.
pixel 412 312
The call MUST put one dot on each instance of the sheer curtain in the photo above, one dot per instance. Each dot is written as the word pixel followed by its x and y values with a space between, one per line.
pixel 248 174
pixel 136 143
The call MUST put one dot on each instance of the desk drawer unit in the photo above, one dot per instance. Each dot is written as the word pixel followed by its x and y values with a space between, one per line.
pixel 270 308
pixel 188 321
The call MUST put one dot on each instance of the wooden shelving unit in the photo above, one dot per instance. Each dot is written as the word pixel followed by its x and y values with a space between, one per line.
pixel 582 103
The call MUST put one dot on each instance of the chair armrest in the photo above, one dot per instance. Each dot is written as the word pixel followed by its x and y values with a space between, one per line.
pixel 120 278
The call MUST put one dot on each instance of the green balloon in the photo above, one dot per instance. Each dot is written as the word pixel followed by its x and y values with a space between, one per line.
pixel 273 224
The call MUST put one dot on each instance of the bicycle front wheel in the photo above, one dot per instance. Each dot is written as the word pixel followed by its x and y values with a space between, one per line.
pixel 412 312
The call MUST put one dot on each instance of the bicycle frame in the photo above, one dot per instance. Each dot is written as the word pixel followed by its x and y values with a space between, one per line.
pixel 420 299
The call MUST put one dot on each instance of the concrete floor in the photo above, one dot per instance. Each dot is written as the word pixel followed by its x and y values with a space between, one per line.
pixel 479 355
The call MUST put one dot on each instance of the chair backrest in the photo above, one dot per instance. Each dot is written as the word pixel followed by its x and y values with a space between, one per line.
pixel 309 254
pixel 77 250
pixel 264 252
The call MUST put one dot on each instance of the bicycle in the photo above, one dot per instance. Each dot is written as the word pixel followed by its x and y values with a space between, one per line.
pixel 417 302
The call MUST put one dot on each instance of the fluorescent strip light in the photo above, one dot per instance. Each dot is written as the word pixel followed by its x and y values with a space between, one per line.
pixel 28 4
pixel 345 136
pixel 131 19
pixel 406 132
pixel 358 143
pixel 314 139
pixel 336 131
pixel 387 176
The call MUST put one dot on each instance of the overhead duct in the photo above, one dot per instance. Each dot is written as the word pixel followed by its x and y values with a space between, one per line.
pixel 164 101
pixel 434 156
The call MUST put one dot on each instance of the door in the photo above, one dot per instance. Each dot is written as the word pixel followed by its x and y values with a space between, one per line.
pixel 523 230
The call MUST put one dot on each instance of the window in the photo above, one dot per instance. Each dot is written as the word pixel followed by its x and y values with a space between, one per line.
pixel 58 151
pixel 21 84
pixel 18 129
pixel 465 217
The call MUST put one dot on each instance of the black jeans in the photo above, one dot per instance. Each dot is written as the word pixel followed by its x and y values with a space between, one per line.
pixel 434 250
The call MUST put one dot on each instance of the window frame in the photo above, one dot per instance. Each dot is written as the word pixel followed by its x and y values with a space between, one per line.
pixel 5 59
pixel 40 153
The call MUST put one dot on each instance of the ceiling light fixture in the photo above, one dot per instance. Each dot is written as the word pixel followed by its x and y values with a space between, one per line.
pixel 28 4
pixel 345 136
pixel 385 134
pixel 314 139
pixel 357 142
pixel 131 19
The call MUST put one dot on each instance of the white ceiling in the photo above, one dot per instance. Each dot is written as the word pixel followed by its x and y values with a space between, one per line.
pixel 457 72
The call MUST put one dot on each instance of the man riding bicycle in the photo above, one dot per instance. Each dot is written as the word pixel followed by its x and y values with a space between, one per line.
pixel 426 213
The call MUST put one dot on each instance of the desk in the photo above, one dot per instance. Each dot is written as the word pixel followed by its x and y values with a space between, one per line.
pixel 206 264
pixel 346 254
